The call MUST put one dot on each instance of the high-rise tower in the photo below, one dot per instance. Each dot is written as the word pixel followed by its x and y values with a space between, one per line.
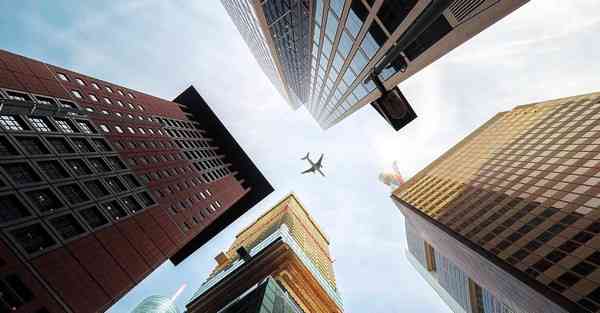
pixel 283 255
pixel 318 53
pixel 515 205
pixel 100 184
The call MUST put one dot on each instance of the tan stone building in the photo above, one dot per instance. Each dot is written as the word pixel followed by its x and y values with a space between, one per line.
pixel 516 205
pixel 283 252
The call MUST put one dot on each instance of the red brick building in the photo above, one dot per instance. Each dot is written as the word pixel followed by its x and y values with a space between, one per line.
pixel 100 184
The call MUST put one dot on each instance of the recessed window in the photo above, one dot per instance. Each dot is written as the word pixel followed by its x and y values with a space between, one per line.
pixel 14 293
pixel 146 199
pixel 108 89
pixel 44 100
pixel 101 144
pixel 120 92
pixel 116 163
pixel 105 112
pixel 11 122
pixel 33 238
pixel 93 217
pixel 132 204
pixel 21 173
pixel 130 96
pixel 131 181
pixel 76 94
pixel 62 76
pixel 44 200
pixel 67 226
pixel 33 145
pixel 107 101
pixel 83 145
pixel 130 116
pixel 114 209
pixel 99 165
pixel 53 170
pixel 120 103
pixel 95 86
pixel 118 114
pixel 130 130
pixel 79 167
pixel 86 127
pixel 93 97
pixel 64 126
pixel 140 108
pixel 115 184
pixel 80 81
pixel 130 105
pixel 73 193
pixel 60 145
pixel 119 129
pixel 141 130
pixel 66 104
pixel 40 124
pixel 12 209
pixel 104 128
pixel 6 148
pixel 97 188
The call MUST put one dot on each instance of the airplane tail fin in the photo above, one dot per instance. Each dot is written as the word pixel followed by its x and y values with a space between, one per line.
pixel 306 157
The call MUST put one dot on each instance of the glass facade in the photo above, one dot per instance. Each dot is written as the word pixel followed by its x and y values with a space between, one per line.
pixel 156 304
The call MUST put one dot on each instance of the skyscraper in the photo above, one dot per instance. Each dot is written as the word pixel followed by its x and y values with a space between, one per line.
pixel 159 304
pixel 100 184
pixel 515 204
pixel 280 262
pixel 318 53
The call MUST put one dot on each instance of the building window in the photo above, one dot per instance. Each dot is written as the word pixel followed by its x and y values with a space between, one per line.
pixel 67 226
pixel 99 165
pixel 44 200
pixel 64 126
pixel 13 293
pixel 131 130
pixel 76 94
pixel 101 145
pixel 130 96
pixel 114 209
pixel 6 148
pixel 93 217
pixel 97 188
pixel 62 76
pixel 12 209
pixel 11 122
pixel 44 100
pixel 119 130
pixel 115 184
pixel 60 145
pixel 146 199
pixel 392 13
pixel 131 181
pixel 40 124
pixel 132 204
pixel 79 167
pixel 120 103
pixel 33 238
pixel 108 89
pixel 86 127
pixel 83 145
pixel 80 81
pixel 104 128
pixel 95 86
pixel 107 101
pixel 33 145
pixel 428 38
pixel 73 193
pixel 93 97
pixel 21 173
pixel 53 170
pixel 116 163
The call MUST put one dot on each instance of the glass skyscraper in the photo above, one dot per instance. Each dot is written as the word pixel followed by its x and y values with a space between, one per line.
pixel 318 53
pixel 156 304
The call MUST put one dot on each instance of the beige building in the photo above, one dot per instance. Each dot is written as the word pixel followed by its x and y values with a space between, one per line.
pixel 318 53
pixel 284 245
pixel 516 205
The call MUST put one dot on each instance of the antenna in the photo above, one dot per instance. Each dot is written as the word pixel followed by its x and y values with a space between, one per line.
pixel 178 292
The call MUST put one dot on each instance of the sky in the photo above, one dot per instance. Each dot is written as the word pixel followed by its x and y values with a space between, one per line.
pixel 545 50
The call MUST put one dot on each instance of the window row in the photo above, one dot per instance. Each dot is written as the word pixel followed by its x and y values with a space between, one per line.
pixel 36 237
pixel 49 145
pixel 153 159
pixel 166 173
pixel 46 124
pixel 24 96
pixel 121 115
pixel 80 81
pixel 182 185
pixel 215 174
pixel 131 130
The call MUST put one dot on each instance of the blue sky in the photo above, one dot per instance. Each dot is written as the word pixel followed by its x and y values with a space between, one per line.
pixel 546 49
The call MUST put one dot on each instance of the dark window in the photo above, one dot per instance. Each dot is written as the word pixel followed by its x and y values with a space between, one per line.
pixel 73 193
pixel 533 245
pixel 114 209
pixel 67 226
pixel 594 258
pixel 97 188
pixel 33 238
pixel 587 304
pixel 583 268
pixel 569 246
pixel 428 38
pixel 568 279
pixel 44 200
pixel 12 209
pixel 79 167
pixel 556 286
pixel 53 169
pixel 21 173
pixel 93 217
pixel 101 145
pixel 555 256
pixel 61 145
pixel 131 204
pixel 583 237
pixel 32 145
pixel 393 12
pixel 521 254
pixel 549 212
pixel 542 265
pixel 99 165
pixel 115 184
pixel 19 96
pixel 594 228
pixel 116 163
pixel 83 145
pixel 146 199
pixel 595 295
pixel 6 148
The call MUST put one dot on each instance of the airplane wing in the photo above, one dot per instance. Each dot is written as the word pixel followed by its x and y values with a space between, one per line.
pixel 319 170
pixel 310 170
pixel 318 164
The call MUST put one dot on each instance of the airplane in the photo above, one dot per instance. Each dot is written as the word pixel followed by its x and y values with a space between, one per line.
pixel 314 166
